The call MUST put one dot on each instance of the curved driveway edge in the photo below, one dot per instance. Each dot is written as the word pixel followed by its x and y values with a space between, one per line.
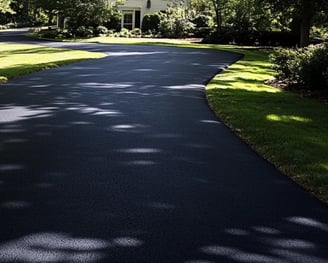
pixel 121 160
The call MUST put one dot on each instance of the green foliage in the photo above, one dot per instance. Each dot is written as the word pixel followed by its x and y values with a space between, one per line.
pixel 248 16
pixel 114 21
pixel 259 38
pixel 125 33
pixel 176 21
pixel 49 33
pixel 136 32
pixel 319 33
pixel 308 66
pixel 101 31
pixel 303 14
pixel 203 20
pixel 287 63
pixel 5 7
pixel 151 22
pixel 314 70
pixel 83 31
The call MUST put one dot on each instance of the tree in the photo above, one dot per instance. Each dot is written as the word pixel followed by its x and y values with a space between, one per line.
pixel 219 6
pixel 304 12
pixel 249 15
pixel 5 7
pixel 78 12
pixel 176 21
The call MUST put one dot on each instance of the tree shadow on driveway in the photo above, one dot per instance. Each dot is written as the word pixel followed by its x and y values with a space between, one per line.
pixel 121 160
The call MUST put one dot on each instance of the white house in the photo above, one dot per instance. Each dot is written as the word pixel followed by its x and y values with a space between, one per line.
pixel 134 10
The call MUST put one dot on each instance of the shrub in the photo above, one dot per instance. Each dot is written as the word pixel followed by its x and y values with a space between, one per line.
pixel 224 36
pixel 151 22
pixel 114 23
pixel 49 33
pixel 287 63
pixel 136 32
pixel 124 33
pixel 101 31
pixel 83 31
pixel 308 66
pixel 262 38
pixel 3 27
pixel 203 21
pixel 176 27
pixel 314 70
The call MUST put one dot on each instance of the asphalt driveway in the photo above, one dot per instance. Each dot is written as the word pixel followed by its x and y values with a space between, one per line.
pixel 121 160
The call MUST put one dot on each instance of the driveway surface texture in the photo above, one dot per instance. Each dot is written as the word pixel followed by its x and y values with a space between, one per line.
pixel 121 160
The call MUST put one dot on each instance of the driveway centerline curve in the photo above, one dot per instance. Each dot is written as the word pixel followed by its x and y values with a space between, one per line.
pixel 121 160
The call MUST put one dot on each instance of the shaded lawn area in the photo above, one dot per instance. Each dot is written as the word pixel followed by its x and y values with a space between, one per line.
pixel 21 59
pixel 288 130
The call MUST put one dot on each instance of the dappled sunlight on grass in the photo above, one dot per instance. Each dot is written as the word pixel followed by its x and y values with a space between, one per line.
pixel 285 128
pixel 286 118
pixel 19 59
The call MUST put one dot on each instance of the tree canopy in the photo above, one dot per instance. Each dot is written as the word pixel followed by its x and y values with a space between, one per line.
pixel 247 18
pixel 5 6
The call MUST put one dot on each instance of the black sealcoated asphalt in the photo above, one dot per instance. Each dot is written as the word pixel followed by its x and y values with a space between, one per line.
pixel 121 160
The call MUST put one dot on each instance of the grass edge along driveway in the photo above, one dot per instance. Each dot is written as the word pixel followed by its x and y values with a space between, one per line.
pixel 21 59
pixel 286 129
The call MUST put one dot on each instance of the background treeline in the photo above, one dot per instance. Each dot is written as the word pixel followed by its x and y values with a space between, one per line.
pixel 294 24
pixel 249 22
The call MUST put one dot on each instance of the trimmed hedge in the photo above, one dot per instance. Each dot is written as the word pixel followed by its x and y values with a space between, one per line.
pixel 263 38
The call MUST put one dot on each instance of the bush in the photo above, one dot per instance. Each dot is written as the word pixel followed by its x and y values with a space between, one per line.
pixel 176 28
pixel 287 63
pixel 125 33
pixel 278 38
pixel 314 70
pixel 53 33
pixel 101 31
pixel 150 22
pixel 83 31
pixel 203 21
pixel 3 27
pixel 49 33
pixel 308 66
pixel 262 38
pixel 114 22
pixel 136 32
pixel 219 37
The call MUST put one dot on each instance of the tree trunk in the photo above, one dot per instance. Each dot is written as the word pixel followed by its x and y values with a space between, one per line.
pixel 307 13
pixel 50 18
pixel 305 33
pixel 218 19
pixel 60 21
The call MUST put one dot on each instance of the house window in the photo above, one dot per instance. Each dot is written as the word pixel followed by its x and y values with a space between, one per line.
pixel 128 20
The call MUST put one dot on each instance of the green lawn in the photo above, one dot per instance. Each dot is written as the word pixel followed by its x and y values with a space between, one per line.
pixel 19 59
pixel 288 130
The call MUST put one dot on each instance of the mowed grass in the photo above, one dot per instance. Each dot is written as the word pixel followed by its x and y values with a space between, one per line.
pixel 288 130
pixel 21 59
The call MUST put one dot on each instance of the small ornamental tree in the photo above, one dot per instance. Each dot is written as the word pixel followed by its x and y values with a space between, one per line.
pixel 176 21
